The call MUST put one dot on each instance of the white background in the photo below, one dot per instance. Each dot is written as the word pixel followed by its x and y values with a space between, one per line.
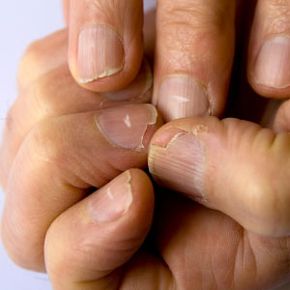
pixel 20 23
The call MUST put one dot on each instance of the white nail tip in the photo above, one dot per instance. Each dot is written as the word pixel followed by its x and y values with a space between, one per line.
pixel 127 121
pixel 105 74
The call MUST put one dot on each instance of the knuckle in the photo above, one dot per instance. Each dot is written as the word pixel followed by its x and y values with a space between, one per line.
pixel 41 96
pixel 279 16
pixel 42 56
pixel 189 27
pixel 44 95
pixel 33 51
pixel 30 62
pixel 196 15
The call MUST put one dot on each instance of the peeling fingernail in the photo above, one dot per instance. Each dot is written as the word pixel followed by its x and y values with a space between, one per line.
pixel 100 53
pixel 130 126
pixel 140 90
pixel 180 96
pixel 112 201
pixel 272 65
pixel 177 161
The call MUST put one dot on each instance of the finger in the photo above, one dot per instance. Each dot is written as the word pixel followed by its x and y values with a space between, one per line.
pixel 216 244
pixel 105 42
pixel 233 166
pixel 95 237
pixel 195 46
pixel 63 159
pixel 269 53
pixel 47 89
pixel 45 55
pixel 41 57
pixel 65 4
pixel 281 120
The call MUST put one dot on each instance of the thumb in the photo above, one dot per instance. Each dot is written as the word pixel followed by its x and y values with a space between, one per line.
pixel 87 243
pixel 232 166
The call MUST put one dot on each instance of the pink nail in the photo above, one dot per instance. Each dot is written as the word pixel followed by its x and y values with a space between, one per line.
pixel 272 65
pixel 129 126
pixel 180 96
pixel 112 201
pixel 100 53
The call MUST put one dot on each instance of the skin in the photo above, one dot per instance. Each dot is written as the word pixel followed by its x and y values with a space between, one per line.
pixel 190 245
pixel 196 39
pixel 51 104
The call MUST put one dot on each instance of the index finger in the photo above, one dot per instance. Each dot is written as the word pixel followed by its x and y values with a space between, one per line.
pixel 105 42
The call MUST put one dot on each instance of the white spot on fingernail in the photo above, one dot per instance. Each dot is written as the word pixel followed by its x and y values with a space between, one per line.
pixel 181 99
pixel 127 121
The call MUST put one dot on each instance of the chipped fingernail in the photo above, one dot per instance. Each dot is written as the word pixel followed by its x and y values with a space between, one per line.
pixel 112 201
pixel 129 127
pixel 177 160
pixel 100 53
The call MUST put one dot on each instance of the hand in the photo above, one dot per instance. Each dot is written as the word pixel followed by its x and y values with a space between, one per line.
pixel 239 173
pixel 237 239
pixel 61 142
pixel 194 53
pixel 190 239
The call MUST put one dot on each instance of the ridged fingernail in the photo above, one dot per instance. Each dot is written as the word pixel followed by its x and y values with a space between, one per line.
pixel 272 65
pixel 180 96
pixel 129 126
pixel 112 201
pixel 177 161
pixel 100 53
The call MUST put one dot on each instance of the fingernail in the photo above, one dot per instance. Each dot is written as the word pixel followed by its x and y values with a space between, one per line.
pixel 272 65
pixel 177 161
pixel 113 201
pixel 100 53
pixel 140 90
pixel 129 127
pixel 180 96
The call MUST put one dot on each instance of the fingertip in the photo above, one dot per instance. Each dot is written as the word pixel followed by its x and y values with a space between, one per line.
pixel 110 226
pixel 105 52
pixel 142 186
pixel 129 201
pixel 269 50
pixel 178 154
pixel 266 90
pixel 130 126
pixel 193 65
pixel 231 166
